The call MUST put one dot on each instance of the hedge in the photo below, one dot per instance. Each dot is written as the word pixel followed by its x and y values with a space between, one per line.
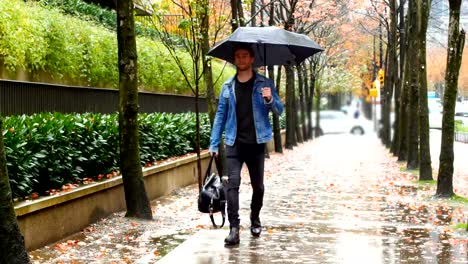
pixel 103 16
pixel 38 38
pixel 48 150
pixel 88 11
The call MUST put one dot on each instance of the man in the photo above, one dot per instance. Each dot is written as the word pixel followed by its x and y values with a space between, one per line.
pixel 244 104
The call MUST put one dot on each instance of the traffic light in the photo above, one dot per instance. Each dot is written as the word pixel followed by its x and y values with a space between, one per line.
pixel 381 77
pixel 373 91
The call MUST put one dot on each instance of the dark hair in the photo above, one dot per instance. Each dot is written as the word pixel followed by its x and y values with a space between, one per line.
pixel 244 46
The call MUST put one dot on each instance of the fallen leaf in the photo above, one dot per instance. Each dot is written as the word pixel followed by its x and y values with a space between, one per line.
pixel 62 246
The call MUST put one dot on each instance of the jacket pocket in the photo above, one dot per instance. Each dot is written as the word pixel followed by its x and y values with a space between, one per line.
pixel 226 94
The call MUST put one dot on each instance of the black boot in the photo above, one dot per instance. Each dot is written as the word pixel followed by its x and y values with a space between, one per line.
pixel 233 237
pixel 256 226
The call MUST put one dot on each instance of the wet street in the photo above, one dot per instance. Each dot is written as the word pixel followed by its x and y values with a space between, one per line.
pixel 337 199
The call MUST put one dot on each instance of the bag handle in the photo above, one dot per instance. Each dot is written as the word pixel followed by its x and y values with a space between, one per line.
pixel 223 202
pixel 223 214
pixel 208 169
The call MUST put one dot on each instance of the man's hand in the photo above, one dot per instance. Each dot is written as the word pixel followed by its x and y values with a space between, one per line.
pixel 266 93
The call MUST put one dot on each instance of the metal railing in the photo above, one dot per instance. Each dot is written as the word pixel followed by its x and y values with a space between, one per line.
pixel 27 97
pixel 461 137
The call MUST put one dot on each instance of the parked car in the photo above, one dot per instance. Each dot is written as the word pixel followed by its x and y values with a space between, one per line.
pixel 334 122
pixel 462 116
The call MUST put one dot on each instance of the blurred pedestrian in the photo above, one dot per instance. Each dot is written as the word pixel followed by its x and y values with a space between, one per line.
pixel 357 112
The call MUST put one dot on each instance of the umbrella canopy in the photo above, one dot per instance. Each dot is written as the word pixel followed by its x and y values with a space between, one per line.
pixel 271 45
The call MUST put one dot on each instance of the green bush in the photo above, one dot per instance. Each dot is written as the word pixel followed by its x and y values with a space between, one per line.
pixel 96 13
pixel 166 135
pixel 45 151
pixel 36 38
pixel 459 127
pixel 79 8
pixel 282 120
pixel 22 42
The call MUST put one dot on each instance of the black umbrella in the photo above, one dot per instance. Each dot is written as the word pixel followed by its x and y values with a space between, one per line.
pixel 271 45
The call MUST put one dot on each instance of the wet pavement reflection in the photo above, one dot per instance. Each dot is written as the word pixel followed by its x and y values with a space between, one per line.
pixel 338 199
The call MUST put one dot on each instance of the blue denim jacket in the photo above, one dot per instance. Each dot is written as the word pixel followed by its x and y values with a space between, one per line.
pixel 226 114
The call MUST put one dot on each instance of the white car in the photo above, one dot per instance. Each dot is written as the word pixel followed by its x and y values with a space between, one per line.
pixel 334 122
pixel 462 116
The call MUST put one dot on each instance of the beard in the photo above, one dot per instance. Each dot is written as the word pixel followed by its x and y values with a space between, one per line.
pixel 244 67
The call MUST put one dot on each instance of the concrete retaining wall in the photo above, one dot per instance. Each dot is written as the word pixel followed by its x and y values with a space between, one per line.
pixel 49 219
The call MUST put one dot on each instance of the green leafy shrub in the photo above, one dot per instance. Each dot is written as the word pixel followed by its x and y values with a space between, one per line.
pixel 166 135
pixel 96 13
pixel 459 127
pixel 22 41
pixel 37 38
pixel 282 120
pixel 79 8
pixel 45 151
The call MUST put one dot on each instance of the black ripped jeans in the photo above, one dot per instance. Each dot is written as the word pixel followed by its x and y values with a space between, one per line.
pixel 254 157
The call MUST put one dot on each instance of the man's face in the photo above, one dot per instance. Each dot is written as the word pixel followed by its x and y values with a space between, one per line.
pixel 243 60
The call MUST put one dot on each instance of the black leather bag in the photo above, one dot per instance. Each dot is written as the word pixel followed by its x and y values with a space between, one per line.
pixel 212 196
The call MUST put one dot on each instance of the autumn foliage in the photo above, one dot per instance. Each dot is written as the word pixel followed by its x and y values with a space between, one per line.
pixel 436 64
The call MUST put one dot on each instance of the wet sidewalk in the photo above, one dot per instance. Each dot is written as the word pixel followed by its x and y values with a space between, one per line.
pixel 338 199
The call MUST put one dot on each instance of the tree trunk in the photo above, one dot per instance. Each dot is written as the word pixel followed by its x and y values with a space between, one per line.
pixel 253 10
pixel 11 240
pixel 307 113
pixel 290 126
pixel 262 4
pixel 208 80
pixel 300 75
pixel 310 105
pixel 395 149
pixel 234 15
pixel 207 70
pixel 240 11
pixel 197 143
pixel 130 165
pixel 382 129
pixel 276 122
pixel 310 101
pixel 332 101
pixel 413 105
pixel 403 122
pixel 318 132
pixel 425 168
pixel 297 124
pixel 295 110
pixel 209 87
pixel 456 41
pixel 391 71
pixel 386 96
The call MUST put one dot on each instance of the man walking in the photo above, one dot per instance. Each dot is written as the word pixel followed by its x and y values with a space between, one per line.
pixel 244 104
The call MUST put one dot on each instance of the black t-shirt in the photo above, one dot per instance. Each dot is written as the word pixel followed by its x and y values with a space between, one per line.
pixel 244 111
